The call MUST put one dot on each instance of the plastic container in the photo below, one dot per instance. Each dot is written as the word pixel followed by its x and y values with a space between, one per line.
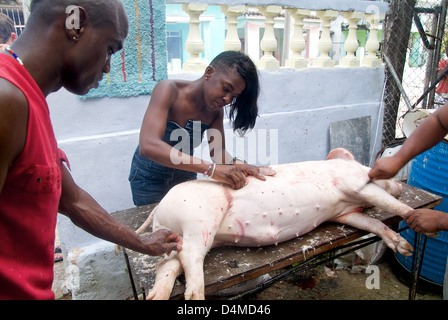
pixel 429 171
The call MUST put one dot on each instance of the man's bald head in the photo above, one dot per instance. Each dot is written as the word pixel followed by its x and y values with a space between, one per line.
pixel 77 36
pixel 99 12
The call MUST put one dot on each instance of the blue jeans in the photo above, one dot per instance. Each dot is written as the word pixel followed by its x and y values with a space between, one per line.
pixel 150 181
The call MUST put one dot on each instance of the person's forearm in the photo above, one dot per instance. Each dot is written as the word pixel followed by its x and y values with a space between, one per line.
pixel 427 135
pixel 87 214
pixel 221 156
pixel 443 222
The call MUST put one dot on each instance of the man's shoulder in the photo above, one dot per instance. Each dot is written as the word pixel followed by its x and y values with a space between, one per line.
pixel 11 94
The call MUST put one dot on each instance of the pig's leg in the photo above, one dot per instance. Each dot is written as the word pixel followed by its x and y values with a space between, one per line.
pixel 198 237
pixel 194 250
pixel 392 239
pixel 378 197
pixel 145 226
pixel 166 273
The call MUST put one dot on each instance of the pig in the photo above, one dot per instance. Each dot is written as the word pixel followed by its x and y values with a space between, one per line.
pixel 293 201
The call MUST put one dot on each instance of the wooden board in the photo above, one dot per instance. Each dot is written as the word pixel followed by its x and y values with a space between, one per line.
pixel 228 266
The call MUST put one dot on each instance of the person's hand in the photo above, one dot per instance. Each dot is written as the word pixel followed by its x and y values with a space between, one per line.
pixel 236 175
pixel 425 220
pixel 257 172
pixel 161 241
pixel 385 168
pixel 3 47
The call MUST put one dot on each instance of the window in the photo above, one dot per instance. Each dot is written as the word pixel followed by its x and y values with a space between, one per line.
pixel 16 14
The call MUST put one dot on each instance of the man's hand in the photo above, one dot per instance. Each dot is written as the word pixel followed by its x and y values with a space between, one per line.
pixel 161 241
pixel 426 220
pixel 385 168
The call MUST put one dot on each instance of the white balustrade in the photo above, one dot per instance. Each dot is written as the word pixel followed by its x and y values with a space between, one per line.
pixel 351 43
pixel 232 41
pixel 325 43
pixel 373 45
pixel 269 42
pixel 298 43
pixel 302 51
pixel 194 44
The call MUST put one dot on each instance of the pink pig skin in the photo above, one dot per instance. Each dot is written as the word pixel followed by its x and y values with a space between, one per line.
pixel 293 201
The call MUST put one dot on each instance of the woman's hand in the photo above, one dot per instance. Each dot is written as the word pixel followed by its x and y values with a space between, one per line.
pixel 236 175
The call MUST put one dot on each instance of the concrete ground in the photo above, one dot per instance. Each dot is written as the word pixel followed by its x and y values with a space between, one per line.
pixel 326 283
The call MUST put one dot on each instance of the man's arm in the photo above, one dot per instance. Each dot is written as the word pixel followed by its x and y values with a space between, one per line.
pixel 13 126
pixel 87 214
pixel 430 132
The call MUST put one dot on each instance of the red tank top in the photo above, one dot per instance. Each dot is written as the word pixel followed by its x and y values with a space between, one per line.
pixel 30 198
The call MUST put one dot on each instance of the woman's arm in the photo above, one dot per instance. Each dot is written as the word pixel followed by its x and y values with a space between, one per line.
pixel 153 129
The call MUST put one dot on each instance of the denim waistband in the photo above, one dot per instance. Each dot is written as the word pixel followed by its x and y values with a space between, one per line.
pixel 151 169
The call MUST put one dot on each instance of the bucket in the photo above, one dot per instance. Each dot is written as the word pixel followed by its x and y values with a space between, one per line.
pixel 429 171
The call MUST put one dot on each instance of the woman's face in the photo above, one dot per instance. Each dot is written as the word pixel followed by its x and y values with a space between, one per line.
pixel 222 87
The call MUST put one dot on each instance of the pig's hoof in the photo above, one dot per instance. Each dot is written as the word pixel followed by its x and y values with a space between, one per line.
pixel 155 294
pixel 194 295
pixel 404 247
pixel 398 243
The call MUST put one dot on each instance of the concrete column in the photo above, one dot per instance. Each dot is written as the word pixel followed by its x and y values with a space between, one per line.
pixel 373 45
pixel 194 44
pixel 232 41
pixel 325 43
pixel 351 43
pixel 298 43
pixel 269 43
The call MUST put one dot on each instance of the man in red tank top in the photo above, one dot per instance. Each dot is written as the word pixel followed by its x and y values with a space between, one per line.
pixel 34 182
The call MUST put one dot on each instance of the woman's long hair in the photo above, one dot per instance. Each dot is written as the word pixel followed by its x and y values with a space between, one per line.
pixel 243 111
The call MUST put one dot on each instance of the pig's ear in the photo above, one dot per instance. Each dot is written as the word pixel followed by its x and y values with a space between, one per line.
pixel 340 153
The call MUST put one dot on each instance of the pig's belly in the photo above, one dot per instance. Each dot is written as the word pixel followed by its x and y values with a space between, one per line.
pixel 276 210
pixel 293 202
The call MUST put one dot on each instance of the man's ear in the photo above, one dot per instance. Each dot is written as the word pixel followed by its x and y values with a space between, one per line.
pixel 209 71
pixel 75 22
pixel 13 37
